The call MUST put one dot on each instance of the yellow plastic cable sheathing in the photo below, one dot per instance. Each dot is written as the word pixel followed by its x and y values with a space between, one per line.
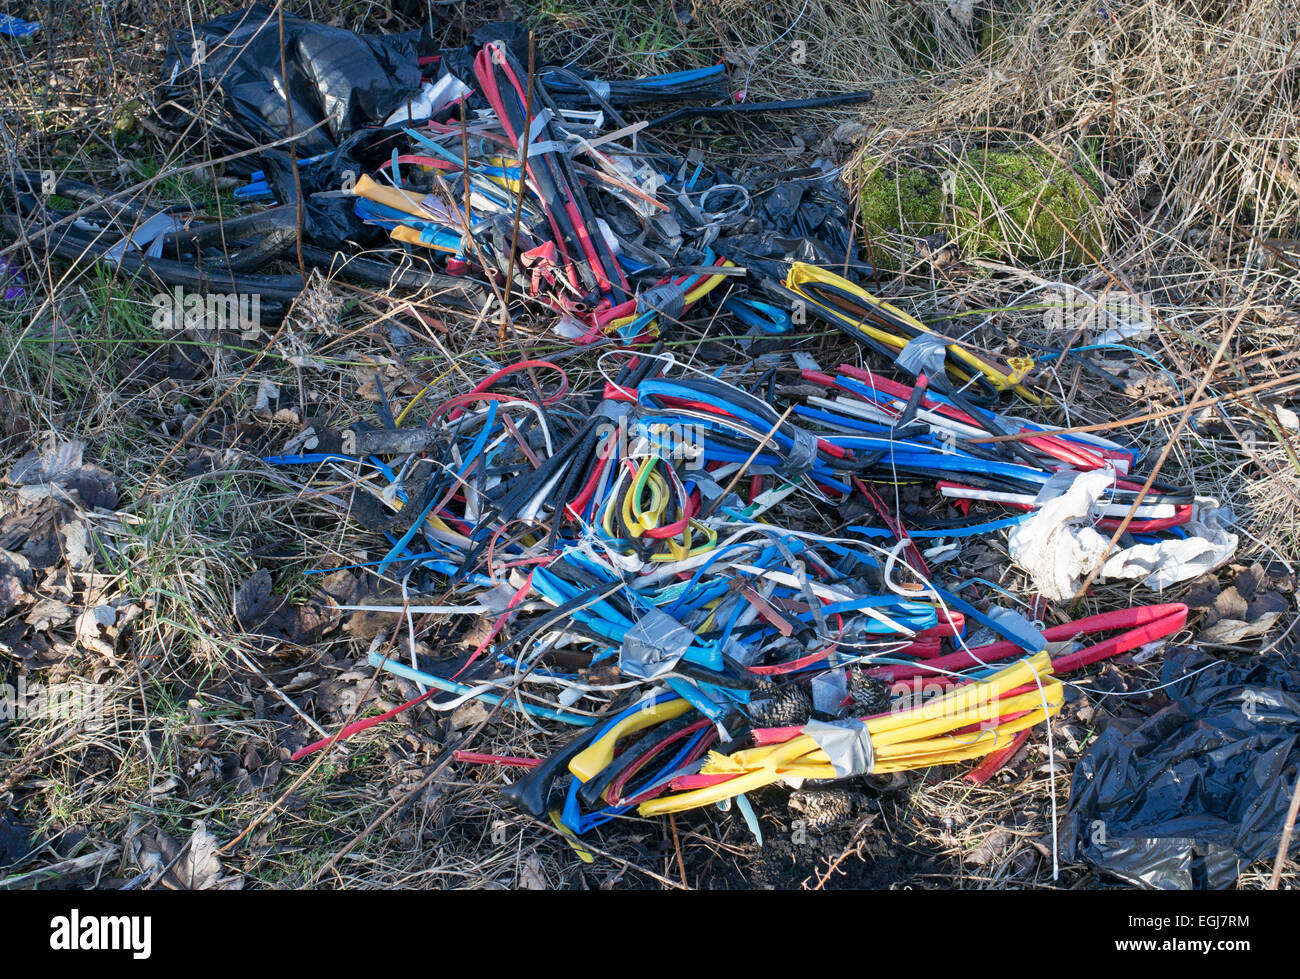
pixel 420 397
pixel 500 179
pixel 953 750
pixel 802 273
pixel 592 760
pixel 412 237
pixel 399 200
pixel 639 520
pixel 583 853
pixel 903 741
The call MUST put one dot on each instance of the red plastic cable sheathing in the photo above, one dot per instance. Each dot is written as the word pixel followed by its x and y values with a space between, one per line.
pixel 613 792
pixel 416 159
pixel 487 82
pixel 993 763
pixel 895 525
pixel 523 365
pixel 615 393
pixel 623 309
pixel 1063 450
pixel 562 185
pixel 481 390
pixel 1144 624
pixel 458 401
pixel 684 783
pixel 483 758
pixel 1182 512
pixel 356 727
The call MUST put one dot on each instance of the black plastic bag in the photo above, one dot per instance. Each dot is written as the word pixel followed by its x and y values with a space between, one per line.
pixel 460 61
pixel 346 80
pixel 800 216
pixel 1201 788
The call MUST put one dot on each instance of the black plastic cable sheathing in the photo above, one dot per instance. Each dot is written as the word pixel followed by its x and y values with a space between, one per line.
pixel 72 242
pixel 266 249
pixel 270 221
pixel 531 792
pixel 617 117
pixel 573 89
pixel 751 108
pixel 268 233
pixel 75 246
pixel 29 182
pixel 523 490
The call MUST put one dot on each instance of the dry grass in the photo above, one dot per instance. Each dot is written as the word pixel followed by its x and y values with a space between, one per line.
pixel 1185 111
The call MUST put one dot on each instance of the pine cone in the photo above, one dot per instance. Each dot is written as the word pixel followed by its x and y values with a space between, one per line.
pixel 781 706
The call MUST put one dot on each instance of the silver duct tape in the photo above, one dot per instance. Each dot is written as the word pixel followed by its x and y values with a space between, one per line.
pixel 925 353
pixel 846 743
pixel 1024 633
pixel 497 600
pixel 803 453
pixel 653 646
pixel 711 490
pixel 613 410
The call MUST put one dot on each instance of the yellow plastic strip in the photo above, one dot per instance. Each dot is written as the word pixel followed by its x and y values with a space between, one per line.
pixel 399 200
pixel 801 274
pixel 907 740
pixel 589 762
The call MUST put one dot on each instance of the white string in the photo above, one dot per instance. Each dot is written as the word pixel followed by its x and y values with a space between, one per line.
pixel 779 38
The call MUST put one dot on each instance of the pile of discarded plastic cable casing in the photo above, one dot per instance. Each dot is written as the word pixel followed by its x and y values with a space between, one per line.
pixel 641 548
pixel 620 541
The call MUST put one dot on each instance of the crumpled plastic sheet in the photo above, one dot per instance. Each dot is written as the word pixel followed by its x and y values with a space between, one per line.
pixel 1209 545
pixel 1055 545
pixel 1199 790
pixel 846 743
pixel 798 219
pixel 433 97
pixel 348 80
pixel 1059 547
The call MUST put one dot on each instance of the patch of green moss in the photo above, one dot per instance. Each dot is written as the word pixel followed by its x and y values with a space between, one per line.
pixel 1003 203
pixel 910 201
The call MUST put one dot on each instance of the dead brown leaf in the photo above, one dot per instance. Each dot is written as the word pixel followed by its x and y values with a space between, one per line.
pixel 195 868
